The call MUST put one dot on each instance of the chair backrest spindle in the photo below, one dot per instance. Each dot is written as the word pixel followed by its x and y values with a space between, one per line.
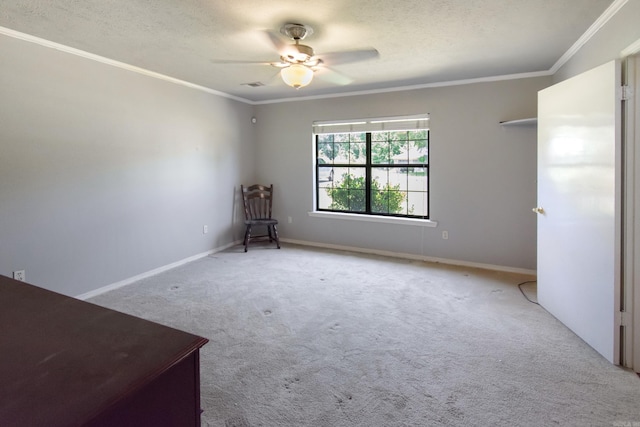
pixel 257 200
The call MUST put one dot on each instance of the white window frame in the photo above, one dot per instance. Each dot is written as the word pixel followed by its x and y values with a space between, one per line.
pixel 395 123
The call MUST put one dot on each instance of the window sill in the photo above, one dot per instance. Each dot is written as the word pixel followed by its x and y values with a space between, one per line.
pixel 374 218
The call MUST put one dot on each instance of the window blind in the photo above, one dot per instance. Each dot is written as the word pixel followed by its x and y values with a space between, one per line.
pixel 420 121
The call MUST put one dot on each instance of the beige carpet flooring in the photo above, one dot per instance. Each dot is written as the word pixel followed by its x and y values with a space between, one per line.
pixel 312 337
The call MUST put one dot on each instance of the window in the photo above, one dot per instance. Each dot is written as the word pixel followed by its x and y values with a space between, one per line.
pixel 374 167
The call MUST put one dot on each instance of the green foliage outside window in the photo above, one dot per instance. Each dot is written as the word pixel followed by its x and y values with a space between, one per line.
pixel 349 195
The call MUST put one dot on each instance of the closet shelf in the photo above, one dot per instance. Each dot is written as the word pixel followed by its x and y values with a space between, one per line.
pixel 521 122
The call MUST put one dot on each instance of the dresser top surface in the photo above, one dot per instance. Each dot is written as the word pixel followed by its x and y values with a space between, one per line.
pixel 68 360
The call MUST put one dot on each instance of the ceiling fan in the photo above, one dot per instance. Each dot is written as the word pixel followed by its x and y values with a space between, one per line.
pixel 298 62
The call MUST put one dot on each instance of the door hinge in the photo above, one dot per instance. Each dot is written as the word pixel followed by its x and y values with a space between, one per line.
pixel 624 318
pixel 626 92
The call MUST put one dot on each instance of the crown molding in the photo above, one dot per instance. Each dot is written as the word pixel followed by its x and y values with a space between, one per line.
pixel 632 49
pixel 122 65
pixel 413 87
pixel 609 13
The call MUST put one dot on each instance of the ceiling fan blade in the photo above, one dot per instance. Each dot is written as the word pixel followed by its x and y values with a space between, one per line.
pixel 275 80
pixel 275 40
pixel 270 81
pixel 231 61
pixel 332 76
pixel 279 64
pixel 348 56
pixel 280 45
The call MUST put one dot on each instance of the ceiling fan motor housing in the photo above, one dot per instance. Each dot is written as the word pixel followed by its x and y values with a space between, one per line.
pixel 296 31
pixel 301 54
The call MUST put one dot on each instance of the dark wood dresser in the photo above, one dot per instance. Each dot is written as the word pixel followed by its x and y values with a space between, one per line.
pixel 66 362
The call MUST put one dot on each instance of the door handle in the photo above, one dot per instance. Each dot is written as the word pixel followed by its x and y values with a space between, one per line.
pixel 538 210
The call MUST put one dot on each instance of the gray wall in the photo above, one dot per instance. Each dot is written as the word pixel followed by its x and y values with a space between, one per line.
pixel 617 34
pixel 482 174
pixel 106 174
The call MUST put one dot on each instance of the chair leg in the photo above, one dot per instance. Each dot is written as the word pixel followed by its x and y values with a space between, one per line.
pixel 247 237
pixel 275 233
pixel 269 232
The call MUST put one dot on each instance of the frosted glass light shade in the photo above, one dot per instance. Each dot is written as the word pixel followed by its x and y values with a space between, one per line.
pixel 297 75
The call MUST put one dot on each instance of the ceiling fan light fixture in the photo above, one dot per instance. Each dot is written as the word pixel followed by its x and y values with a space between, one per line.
pixel 297 75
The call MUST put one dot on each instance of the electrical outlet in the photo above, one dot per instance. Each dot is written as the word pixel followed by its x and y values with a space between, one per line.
pixel 445 235
pixel 290 220
pixel 19 275
pixel 205 229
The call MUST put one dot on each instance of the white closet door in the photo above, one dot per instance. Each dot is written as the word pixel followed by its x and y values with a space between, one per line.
pixel 579 193
pixel 632 256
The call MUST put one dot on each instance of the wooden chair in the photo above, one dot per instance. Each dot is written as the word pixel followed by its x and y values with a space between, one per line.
pixel 257 200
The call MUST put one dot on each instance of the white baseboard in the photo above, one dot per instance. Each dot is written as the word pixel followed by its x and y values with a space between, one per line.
pixel 153 272
pixel 413 257
pixel 403 255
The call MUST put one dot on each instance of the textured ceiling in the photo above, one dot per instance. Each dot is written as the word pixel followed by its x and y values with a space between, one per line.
pixel 420 41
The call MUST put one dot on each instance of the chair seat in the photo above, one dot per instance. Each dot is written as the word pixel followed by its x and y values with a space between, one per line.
pixel 261 221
